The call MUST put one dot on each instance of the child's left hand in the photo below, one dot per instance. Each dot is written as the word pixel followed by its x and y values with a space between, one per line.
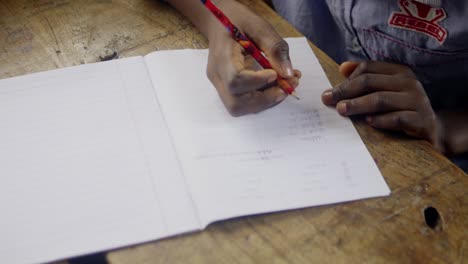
pixel 389 95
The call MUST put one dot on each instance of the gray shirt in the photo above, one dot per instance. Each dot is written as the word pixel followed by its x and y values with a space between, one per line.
pixel 430 36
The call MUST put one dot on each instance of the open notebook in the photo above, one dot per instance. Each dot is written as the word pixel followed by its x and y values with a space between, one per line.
pixel 105 155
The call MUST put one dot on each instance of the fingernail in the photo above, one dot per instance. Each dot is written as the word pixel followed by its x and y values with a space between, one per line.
pixel 327 97
pixel 342 108
pixel 286 66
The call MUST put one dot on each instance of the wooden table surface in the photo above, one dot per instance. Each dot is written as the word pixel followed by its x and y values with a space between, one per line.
pixel 425 220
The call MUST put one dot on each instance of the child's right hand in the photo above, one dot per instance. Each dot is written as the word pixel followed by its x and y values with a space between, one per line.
pixel 242 84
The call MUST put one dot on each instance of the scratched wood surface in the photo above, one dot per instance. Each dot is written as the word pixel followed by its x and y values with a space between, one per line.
pixel 425 220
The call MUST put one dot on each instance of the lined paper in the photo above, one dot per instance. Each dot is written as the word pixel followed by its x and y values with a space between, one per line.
pixel 85 163
pixel 295 155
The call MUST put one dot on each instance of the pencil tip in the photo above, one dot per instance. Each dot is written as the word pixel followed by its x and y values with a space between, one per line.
pixel 295 96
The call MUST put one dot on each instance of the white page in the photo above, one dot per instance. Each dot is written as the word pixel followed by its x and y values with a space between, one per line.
pixel 84 153
pixel 295 155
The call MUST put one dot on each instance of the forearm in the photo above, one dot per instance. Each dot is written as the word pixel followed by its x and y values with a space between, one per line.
pixel 199 15
pixel 455 131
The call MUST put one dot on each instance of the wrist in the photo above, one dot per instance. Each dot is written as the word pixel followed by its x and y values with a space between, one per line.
pixel 200 16
pixel 214 29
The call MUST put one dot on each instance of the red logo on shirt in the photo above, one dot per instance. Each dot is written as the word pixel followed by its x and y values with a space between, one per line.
pixel 421 18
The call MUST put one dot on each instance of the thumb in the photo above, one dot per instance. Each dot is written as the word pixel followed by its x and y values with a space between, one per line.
pixel 275 47
pixel 279 58
pixel 348 67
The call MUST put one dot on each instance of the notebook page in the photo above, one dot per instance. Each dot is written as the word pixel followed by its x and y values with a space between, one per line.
pixel 76 173
pixel 295 155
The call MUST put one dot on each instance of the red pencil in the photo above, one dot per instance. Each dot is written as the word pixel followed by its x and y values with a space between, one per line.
pixel 248 45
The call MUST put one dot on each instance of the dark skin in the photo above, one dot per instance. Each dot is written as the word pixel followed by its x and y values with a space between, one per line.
pixel 391 98
pixel 243 86
pixel 389 95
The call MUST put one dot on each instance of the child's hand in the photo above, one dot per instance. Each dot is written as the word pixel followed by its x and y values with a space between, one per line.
pixel 242 84
pixel 390 97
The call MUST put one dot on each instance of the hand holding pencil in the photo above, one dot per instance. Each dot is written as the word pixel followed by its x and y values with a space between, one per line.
pixel 242 74
pixel 249 46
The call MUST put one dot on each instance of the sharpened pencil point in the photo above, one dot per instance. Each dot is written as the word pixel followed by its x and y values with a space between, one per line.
pixel 295 96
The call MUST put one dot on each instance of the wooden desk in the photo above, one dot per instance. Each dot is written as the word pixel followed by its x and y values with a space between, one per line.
pixel 42 35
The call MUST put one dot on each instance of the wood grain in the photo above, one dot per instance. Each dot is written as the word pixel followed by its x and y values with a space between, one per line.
pixel 41 35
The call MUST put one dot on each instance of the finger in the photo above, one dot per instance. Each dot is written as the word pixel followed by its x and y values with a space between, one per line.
pixel 294 81
pixel 238 80
pixel 234 75
pixel 365 84
pixel 327 97
pixel 379 67
pixel 297 74
pixel 274 46
pixel 406 121
pixel 248 81
pixel 255 102
pixel 279 58
pixel 379 102
pixel 227 62
pixel 234 58
pixel 348 67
